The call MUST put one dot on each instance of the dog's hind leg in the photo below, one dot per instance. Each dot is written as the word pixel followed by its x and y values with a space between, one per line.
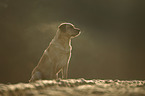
pixel 36 76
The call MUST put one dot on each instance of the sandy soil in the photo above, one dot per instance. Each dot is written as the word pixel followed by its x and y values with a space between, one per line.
pixel 75 87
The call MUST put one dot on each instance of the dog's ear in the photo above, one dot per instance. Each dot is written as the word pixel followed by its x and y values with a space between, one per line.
pixel 62 27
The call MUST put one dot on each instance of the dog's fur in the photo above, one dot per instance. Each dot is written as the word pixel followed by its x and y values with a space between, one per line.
pixel 57 56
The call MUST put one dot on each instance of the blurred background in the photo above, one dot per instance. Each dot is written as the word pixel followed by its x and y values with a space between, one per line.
pixel 111 45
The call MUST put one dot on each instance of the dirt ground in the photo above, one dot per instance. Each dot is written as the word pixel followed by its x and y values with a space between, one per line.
pixel 75 87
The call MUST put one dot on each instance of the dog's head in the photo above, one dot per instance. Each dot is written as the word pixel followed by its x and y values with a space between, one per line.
pixel 69 29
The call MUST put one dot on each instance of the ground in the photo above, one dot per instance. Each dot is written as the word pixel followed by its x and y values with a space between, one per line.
pixel 75 87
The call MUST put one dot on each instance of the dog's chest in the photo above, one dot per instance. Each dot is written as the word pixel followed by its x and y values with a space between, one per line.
pixel 59 55
pixel 62 55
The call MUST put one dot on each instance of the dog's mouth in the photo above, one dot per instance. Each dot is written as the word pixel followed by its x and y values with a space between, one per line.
pixel 78 31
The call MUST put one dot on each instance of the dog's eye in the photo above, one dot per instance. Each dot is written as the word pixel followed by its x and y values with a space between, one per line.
pixel 71 27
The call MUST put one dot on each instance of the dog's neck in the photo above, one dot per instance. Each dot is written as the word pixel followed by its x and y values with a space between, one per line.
pixel 64 42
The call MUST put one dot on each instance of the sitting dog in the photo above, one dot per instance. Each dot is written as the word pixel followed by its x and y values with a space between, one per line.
pixel 57 56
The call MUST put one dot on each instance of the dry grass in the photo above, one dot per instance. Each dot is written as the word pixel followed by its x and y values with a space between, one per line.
pixel 75 87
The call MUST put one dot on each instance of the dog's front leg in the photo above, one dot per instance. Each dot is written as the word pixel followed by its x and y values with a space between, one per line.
pixel 64 71
pixel 56 76
pixel 53 74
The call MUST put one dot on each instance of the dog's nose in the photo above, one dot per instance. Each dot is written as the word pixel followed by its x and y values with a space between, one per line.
pixel 78 29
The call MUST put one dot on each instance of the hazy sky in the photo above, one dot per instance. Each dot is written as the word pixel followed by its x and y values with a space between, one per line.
pixel 111 46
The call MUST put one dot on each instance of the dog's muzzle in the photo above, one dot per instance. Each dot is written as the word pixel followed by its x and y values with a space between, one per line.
pixel 78 30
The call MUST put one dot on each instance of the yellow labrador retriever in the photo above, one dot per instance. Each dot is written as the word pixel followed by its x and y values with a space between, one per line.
pixel 57 56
